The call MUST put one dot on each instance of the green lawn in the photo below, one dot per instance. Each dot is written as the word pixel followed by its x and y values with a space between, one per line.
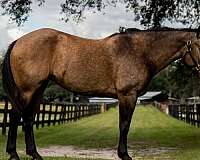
pixel 150 129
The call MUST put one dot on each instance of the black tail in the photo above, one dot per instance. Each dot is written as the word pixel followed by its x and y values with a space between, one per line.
pixel 9 84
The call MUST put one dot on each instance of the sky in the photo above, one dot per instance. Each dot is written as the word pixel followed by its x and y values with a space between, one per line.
pixel 96 25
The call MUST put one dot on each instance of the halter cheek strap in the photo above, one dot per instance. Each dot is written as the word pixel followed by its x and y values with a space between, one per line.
pixel 188 52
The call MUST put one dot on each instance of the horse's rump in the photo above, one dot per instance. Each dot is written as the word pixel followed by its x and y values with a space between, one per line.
pixel 9 84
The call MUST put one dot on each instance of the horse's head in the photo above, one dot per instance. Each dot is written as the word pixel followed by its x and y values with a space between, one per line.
pixel 191 56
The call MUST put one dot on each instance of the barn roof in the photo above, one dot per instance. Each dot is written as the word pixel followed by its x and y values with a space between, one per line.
pixel 149 95
pixel 102 100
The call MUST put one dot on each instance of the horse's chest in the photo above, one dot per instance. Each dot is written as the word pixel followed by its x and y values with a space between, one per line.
pixel 132 78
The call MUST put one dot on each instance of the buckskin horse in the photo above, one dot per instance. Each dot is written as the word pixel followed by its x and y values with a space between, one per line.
pixel 119 66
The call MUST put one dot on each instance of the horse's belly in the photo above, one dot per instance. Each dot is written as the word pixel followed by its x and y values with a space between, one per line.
pixel 92 84
pixel 89 86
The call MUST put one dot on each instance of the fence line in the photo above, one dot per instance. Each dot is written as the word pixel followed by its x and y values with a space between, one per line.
pixel 52 113
pixel 189 113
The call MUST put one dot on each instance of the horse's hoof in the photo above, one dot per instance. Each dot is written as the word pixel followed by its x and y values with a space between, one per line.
pixel 126 157
pixel 36 156
pixel 14 156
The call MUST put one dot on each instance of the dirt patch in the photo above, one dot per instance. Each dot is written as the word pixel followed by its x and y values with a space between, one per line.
pixel 70 151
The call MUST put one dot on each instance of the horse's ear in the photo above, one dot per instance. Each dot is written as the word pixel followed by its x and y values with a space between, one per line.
pixel 122 29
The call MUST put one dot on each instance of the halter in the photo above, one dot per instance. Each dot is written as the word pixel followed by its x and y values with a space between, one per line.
pixel 188 52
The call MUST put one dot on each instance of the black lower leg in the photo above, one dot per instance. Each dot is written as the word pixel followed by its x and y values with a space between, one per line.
pixel 29 138
pixel 12 135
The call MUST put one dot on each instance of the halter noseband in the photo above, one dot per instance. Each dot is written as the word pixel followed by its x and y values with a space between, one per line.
pixel 188 52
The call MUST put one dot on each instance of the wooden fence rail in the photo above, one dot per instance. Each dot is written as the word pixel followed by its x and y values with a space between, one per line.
pixel 52 113
pixel 189 113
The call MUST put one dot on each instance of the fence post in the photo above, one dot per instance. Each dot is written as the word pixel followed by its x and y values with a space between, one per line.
pixel 55 114
pixel 103 107
pixel 50 112
pixel 67 106
pixel 5 117
pixel 198 114
pixel 65 113
pixel 38 120
pixel 43 114
pixel 60 114
pixel 79 111
pixel 83 111
pixel 187 113
pixel 75 112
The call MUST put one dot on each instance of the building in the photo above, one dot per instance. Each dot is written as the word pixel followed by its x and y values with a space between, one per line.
pixel 102 100
pixel 151 96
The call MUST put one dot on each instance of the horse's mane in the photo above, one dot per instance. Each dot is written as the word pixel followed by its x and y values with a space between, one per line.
pixel 161 29
pixel 124 30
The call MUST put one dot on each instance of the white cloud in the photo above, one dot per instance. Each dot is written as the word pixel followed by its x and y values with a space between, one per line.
pixel 8 32
pixel 99 25
pixel 15 33
pixel 96 25
pixel 4 36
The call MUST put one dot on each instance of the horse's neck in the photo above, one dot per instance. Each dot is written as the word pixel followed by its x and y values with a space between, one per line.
pixel 166 50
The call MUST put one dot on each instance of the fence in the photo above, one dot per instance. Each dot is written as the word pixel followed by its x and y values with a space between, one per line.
pixel 52 113
pixel 190 113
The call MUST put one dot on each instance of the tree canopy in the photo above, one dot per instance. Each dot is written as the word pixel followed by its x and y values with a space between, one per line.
pixel 177 81
pixel 150 13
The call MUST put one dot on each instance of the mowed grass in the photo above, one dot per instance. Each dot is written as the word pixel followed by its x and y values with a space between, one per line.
pixel 150 129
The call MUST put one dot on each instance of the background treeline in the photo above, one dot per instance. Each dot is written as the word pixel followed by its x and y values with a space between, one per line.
pixel 176 80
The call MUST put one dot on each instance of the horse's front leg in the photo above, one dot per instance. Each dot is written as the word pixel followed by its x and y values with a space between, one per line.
pixel 126 109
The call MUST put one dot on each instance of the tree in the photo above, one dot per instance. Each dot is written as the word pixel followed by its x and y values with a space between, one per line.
pixel 148 12
pixel 178 81
pixel 55 92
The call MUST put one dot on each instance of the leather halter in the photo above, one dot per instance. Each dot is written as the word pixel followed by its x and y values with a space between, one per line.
pixel 189 52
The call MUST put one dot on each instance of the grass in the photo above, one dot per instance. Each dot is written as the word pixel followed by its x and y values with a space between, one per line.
pixel 150 129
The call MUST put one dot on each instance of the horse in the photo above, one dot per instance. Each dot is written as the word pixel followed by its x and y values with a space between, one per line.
pixel 118 66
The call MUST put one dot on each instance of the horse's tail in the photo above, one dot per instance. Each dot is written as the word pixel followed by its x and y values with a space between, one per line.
pixel 9 84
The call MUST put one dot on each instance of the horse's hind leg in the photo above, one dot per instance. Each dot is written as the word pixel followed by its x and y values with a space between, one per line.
pixel 28 118
pixel 12 135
